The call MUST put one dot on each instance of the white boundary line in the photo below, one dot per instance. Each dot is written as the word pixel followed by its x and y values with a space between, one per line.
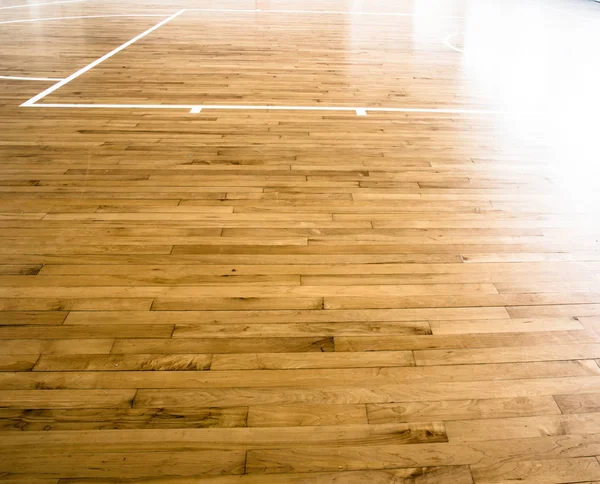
pixel 18 78
pixel 323 12
pixel 446 42
pixel 40 4
pixel 83 70
pixel 6 22
pixel 195 108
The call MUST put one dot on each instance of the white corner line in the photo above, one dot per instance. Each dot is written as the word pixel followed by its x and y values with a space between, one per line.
pixel 322 12
pixel 190 107
pixel 40 4
pixel 446 42
pixel 195 110
pixel 17 78
pixel 79 17
pixel 83 70
pixel 361 112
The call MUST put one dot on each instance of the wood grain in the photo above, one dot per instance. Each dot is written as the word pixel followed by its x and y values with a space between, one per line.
pixel 120 418
pixel 255 296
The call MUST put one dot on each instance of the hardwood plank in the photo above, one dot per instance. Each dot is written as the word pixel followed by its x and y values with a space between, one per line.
pixel 66 398
pixel 592 322
pixel 302 329
pixel 92 281
pixel 134 465
pixel 221 345
pixel 19 269
pixel 228 286
pixel 11 479
pixel 541 471
pixel 512 300
pixel 85 304
pixel 462 409
pixel 282 316
pixel 487 453
pixel 300 378
pixel 505 326
pixel 471 341
pixel 557 311
pixel 58 347
pixel 416 475
pixel 217 439
pixel 354 458
pixel 410 392
pixel 36 420
pixel 85 332
pixel 120 362
pixel 229 304
pixel 13 318
pixel 11 362
pixel 522 427
pixel 224 262
pixel 274 361
pixel 481 277
pixel 578 403
pixel 498 355
pixel 306 415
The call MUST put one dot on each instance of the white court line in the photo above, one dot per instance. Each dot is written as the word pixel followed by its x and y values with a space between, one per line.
pixel 446 42
pixel 84 16
pixel 83 70
pixel 269 108
pixel 40 4
pixel 17 78
pixel 325 12
pixel 196 110
pixel 361 112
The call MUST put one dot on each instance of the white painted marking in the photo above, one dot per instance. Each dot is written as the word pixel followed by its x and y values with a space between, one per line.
pixel 83 70
pixel 40 4
pixel 269 108
pixel 6 22
pixel 446 42
pixel 361 112
pixel 17 78
pixel 196 110
pixel 325 12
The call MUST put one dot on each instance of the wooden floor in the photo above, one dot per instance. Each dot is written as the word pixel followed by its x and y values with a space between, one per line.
pixel 300 296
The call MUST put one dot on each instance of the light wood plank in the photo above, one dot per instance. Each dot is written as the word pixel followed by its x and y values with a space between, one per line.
pixel 135 465
pixel 462 409
pixel 578 403
pixel 542 471
pixel 221 345
pixel 410 392
pixel 281 316
pixel 522 427
pixel 129 362
pixel 471 341
pixel 499 355
pixel 36 420
pixel 306 415
pixel 12 362
pixel 66 398
pixel 421 475
pixel 227 439
pixel 300 378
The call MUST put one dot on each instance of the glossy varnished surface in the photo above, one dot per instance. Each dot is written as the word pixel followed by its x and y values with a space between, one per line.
pixel 240 296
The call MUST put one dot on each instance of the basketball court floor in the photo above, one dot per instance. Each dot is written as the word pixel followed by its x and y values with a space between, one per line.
pixel 299 241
